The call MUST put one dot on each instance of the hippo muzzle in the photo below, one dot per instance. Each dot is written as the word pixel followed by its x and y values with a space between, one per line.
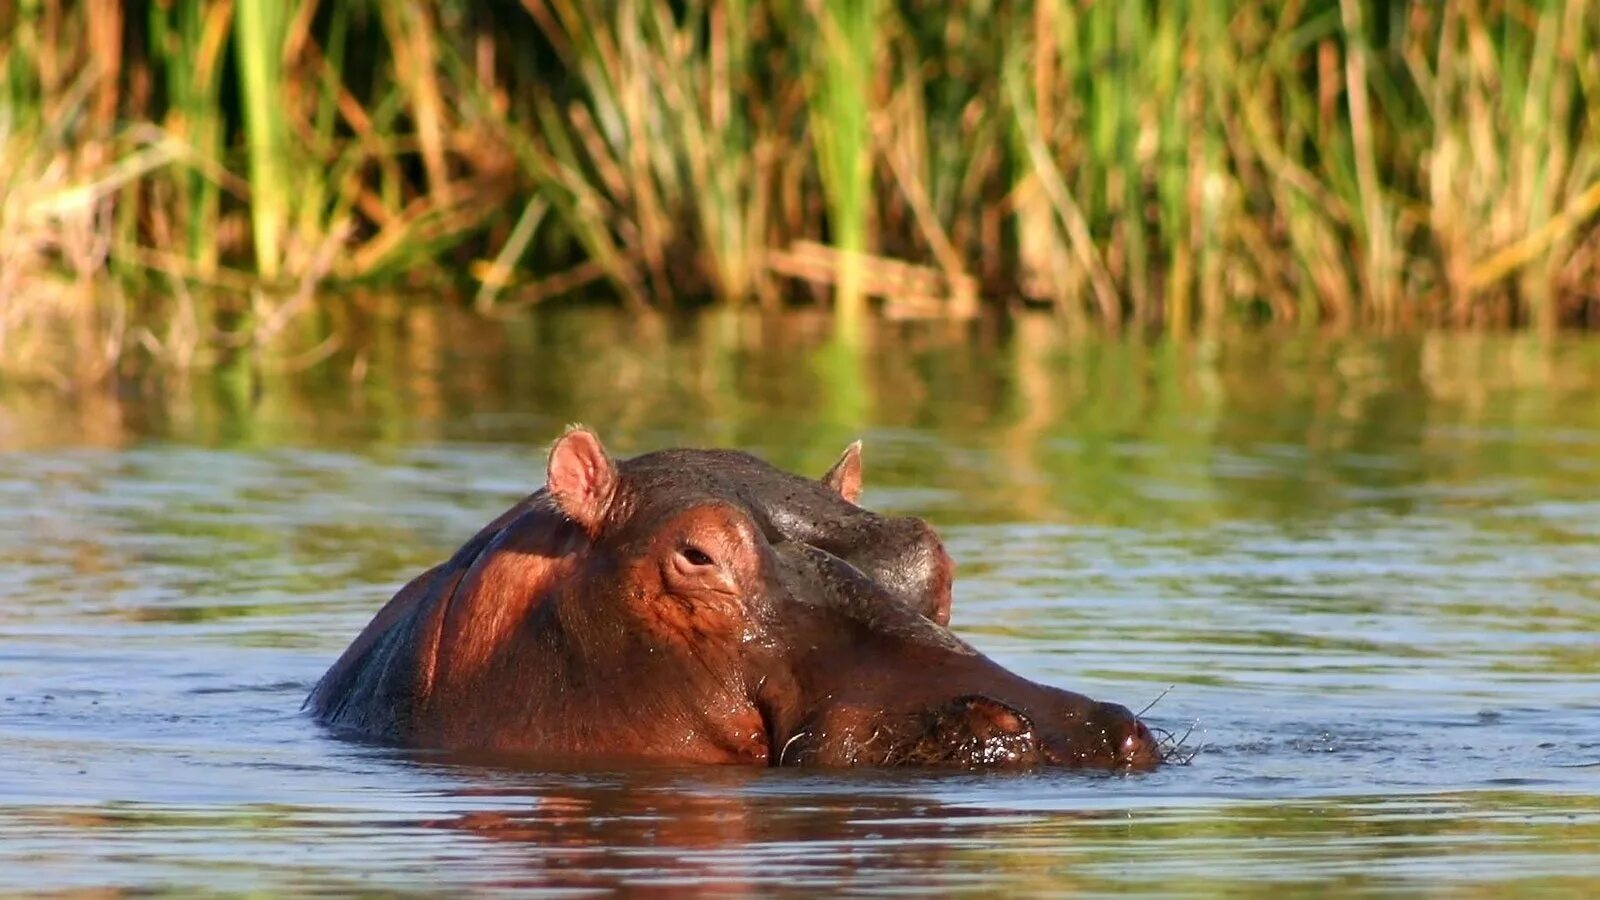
pixel 867 679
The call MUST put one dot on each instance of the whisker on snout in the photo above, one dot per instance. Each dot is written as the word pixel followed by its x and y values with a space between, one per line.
pixel 786 744
pixel 1171 746
pixel 1152 704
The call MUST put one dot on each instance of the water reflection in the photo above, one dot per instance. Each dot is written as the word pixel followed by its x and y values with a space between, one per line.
pixel 1371 567
pixel 737 830
pixel 757 832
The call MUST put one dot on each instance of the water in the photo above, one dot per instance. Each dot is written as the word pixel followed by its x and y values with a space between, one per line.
pixel 1366 572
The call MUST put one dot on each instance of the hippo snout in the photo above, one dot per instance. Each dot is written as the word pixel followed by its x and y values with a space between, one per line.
pixel 1129 740
pixel 1104 735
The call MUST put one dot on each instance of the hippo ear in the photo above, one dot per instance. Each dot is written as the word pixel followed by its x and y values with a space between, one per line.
pixel 582 478
pixel 845 476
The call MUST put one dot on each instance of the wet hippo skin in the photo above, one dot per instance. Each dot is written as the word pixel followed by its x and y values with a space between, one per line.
pixel 703 606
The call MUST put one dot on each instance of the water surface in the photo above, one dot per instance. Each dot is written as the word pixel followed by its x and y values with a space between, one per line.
pixel 1365 572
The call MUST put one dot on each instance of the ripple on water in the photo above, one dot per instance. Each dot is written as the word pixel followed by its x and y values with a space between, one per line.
pixel 1375 619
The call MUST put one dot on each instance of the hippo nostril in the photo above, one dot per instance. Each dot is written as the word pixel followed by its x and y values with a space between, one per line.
pixel 1133 744
pixel 1009 722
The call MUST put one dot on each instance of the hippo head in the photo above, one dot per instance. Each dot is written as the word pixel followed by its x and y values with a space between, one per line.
pixel 701 605
pixel 824 622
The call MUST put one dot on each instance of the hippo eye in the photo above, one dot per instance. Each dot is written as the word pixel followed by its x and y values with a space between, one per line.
pixel 695 556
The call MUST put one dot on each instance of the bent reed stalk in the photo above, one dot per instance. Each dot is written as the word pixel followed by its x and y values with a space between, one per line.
pixel 1172 165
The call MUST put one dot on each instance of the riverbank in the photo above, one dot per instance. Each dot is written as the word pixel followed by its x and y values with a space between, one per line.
pixel 1171 169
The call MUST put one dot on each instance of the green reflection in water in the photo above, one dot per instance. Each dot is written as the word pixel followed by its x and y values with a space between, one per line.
pixel 1358 558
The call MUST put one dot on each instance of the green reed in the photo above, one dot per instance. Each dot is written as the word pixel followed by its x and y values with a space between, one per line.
pixel 259 29
pixel 843 48
pixel 1154 165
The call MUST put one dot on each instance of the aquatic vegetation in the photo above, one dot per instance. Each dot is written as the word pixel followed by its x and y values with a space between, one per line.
pixel 1131 164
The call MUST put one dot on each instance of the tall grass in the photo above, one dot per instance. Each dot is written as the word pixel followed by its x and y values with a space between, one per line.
pixel 844 46
pixel 1133 164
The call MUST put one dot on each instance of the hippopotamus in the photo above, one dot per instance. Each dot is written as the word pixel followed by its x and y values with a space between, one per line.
pixel 702 606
